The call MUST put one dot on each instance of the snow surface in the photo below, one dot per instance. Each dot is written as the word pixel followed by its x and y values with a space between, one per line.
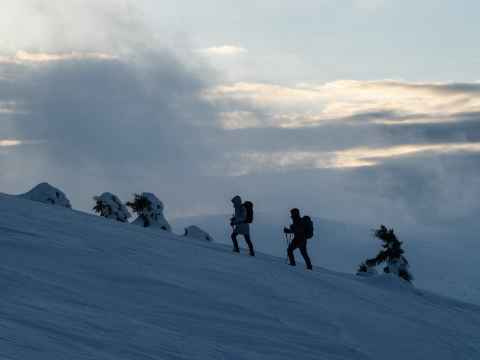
pixel 47 194
pixel 75 286
pixel 436 260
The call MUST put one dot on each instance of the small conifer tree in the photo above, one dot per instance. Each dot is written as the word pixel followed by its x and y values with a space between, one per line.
pixel 110 206
pixel 141 206
pixel 391 254
pixel 149 210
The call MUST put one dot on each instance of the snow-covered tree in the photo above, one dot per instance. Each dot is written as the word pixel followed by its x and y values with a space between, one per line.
pixel 47 194
pixel 391 254
pixel 108 205
pixel 196 233
pixel 149 210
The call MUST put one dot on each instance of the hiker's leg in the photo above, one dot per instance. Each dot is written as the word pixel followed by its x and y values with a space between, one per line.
pixel 235 242
pixel 303 251
pixel 249 243
pixel 291 258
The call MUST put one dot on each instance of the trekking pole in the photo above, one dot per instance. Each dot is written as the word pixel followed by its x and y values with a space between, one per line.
pixel 287 243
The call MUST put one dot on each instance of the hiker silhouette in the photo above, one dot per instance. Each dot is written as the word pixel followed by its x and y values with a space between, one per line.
pixel 240 224
pixel 299 230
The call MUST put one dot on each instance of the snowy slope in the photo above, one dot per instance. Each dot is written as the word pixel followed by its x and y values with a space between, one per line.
pixel 75 286
pixel 439 262
pixel 332 240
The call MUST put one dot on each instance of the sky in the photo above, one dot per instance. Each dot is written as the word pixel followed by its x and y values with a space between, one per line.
pixel 363 111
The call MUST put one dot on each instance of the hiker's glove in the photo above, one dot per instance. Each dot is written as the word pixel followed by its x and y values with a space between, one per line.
pixel 286 230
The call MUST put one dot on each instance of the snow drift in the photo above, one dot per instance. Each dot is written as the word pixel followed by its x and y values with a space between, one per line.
pixel 47 194
pixel 195 232
pixel 75 286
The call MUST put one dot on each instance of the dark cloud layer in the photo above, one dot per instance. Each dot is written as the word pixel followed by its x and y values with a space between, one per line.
pixel 451 88
pixel 110 112
pixel 348 133
pixel 114 121
pixel 141 124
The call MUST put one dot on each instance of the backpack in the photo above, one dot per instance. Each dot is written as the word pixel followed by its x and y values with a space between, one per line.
pixel 248 205
pixel 308 227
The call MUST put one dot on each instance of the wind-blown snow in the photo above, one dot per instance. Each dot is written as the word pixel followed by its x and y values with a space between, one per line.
pixel 77 286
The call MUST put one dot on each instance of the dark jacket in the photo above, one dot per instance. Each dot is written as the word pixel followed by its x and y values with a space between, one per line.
pixel 297 229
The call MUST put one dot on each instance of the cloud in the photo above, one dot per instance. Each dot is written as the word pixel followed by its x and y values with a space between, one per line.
pixel 16 142
pixel 7 107
pixel 307 105
pixel 31 57
pixel 225 50
pixel 232 120
pixel 348 158
pixel 148 122
pixel 116 112
pixel 421 169
pixel 139 118
pixel 9 142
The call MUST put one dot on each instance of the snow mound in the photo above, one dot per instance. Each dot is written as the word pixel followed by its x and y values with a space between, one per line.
pixel 47 194
pixel 77 287
pixel 110 206
pixel 195 232
pixel 153 214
